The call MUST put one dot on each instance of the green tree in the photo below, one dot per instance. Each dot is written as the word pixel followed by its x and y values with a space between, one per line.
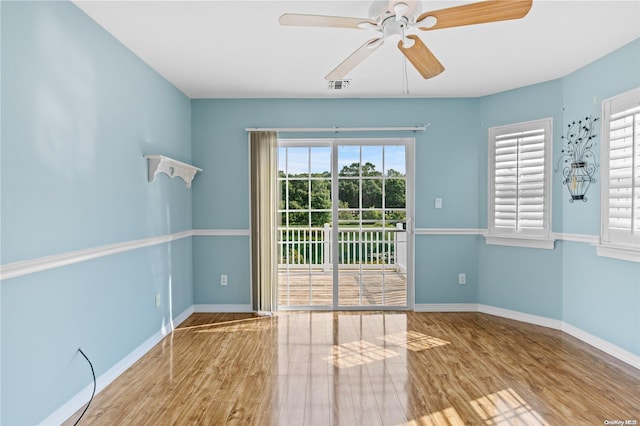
pixel 320 200
pixel 351 178
pixel 395 190
pixel 349 189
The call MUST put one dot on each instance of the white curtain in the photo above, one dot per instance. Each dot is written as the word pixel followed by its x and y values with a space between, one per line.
pixel 264 203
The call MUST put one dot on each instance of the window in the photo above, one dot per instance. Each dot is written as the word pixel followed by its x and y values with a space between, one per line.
pixel 621 176
pixel 519 173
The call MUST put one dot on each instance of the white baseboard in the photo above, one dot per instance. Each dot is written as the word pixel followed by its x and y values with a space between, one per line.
pixel 607 347
pixel 222 308
pixel 521 316
pixel 182 317
pixel 445 307
pixel 65 411
pixel 597 342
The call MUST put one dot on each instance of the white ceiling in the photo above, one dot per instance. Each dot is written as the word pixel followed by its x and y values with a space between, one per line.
pixel 237 49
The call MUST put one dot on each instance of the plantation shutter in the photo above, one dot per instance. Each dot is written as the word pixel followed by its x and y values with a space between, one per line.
pixel 519 178
pixel 622 174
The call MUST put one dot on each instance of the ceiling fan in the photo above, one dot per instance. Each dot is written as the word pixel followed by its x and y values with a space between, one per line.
pixel 393 18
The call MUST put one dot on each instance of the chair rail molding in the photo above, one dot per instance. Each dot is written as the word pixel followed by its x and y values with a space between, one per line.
pixel 450 231
pixel 30 266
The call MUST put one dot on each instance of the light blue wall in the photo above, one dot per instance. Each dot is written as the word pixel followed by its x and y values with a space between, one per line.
pixel 600 295
pixel 570 283
pixel 520 279
pixel 105 306
pixel 220 146
pixel 583 92
pixel 221 194
pixel 529 103
pixel 439 260
pixel 215 256
pixel 78 112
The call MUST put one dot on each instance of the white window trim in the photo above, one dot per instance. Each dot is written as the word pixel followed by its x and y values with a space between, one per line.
pixel 608 248
pixel 544 240
pixel 618 251
pixel 522 241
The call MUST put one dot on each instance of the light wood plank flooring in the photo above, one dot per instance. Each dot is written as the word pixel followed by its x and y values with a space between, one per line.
pixel 368 368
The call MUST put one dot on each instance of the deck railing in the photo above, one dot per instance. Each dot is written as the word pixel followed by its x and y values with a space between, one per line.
pixel 370 248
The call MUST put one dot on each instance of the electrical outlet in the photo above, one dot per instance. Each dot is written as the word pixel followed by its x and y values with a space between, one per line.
pixel 462 278
pixel 438 203
pixel 223 280
pixel 157 300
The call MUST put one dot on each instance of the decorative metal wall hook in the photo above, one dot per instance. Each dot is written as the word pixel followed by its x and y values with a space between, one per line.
pixel 577 159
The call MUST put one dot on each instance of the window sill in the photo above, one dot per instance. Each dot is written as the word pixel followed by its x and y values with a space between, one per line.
pixel 629 253
pixel 546 243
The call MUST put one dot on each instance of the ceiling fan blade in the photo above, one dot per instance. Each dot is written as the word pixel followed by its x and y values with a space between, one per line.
pixel 354 59
pixel 292 19
pixel 475 13
pixel 421 57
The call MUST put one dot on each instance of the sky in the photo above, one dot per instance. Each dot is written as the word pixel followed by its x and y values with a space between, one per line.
pixel 297 160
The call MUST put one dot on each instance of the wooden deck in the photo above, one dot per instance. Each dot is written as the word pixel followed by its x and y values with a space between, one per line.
pixel 316 289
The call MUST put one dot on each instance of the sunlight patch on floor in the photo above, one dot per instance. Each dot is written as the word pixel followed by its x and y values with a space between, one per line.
pixel 447 417
pixel 414 341
pixel 358 353
pixel 503 408
pixel 506 407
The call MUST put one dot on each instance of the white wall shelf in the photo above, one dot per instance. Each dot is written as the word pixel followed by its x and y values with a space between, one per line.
pixel 170 167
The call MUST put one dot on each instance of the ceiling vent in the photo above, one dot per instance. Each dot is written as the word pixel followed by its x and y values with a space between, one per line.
pixel 339 84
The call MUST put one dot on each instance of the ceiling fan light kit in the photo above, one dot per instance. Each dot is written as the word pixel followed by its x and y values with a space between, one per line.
pixel 395 19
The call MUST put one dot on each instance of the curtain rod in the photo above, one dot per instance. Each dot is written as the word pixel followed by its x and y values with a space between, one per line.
pixel 337 129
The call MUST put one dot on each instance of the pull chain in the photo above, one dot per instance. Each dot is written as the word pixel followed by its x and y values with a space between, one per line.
pixel 405 76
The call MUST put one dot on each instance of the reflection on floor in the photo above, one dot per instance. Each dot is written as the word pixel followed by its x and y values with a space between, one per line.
pixel 413 340
pixel 368 368
pixel 357 353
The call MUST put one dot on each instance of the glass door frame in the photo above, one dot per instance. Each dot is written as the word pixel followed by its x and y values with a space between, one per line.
pixel 334 143
pixel 409 144
pixel 310 144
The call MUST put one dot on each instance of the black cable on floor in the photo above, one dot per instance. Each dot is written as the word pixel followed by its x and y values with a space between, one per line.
pixel 93 373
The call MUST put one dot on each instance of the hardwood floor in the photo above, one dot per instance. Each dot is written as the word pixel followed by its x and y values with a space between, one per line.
pixel 368 368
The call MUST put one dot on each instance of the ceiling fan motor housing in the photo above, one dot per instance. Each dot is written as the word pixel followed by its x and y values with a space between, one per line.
pixel 394 28
pixel 379 10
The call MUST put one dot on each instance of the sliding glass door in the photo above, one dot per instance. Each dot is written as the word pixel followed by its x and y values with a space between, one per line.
pixel 304 232
pixel 371 224
pixel 358 194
